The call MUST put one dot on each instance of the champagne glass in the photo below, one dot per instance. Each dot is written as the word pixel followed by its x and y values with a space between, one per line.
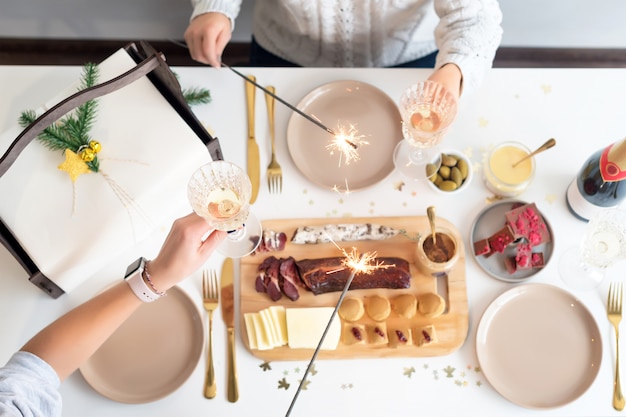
pixel 604 243
pixel 220 193
pixel 427 110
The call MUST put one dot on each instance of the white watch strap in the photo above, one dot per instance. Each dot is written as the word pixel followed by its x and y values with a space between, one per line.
pixel 139 287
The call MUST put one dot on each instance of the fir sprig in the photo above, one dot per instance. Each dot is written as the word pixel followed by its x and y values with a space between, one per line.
pixel 196 95
pixel 72 131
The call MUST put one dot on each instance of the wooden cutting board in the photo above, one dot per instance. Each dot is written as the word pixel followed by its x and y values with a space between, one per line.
pixel 451 327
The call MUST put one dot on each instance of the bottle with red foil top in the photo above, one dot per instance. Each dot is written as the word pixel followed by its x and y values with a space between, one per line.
pixel 600 184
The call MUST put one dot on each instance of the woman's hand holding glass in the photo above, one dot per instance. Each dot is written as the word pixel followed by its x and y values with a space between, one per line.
pixel 220 193
pixel 427 110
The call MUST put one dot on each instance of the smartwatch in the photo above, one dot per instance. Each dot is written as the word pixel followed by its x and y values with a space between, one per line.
pixel 135 280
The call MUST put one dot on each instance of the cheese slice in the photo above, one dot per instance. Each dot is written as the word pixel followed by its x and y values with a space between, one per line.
pixel 250 330
pixel 305 327
pixel 270 328
pixel 262 340
pixel 280 323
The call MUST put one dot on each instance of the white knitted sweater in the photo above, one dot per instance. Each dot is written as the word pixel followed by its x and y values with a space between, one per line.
pixel 374 33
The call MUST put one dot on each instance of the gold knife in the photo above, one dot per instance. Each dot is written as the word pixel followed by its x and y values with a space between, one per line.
pixel 228 315
pixel 254 165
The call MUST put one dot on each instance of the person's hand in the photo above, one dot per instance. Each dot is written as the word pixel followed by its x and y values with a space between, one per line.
pixel 183 251
pixel 449 75
pixel 207 36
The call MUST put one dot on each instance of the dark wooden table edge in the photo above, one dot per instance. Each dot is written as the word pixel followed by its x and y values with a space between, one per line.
pixel 35 51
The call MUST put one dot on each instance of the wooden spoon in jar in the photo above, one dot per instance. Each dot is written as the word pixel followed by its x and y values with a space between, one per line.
pixel 547 145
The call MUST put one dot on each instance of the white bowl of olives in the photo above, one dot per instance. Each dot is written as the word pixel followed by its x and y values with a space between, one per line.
pixel 454 173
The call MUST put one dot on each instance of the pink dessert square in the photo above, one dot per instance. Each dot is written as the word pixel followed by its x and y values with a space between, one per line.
pixel 510 264
pixel 501 239
pixel 481 247
pixel 536 260
pixel 525 221
pixel 523 256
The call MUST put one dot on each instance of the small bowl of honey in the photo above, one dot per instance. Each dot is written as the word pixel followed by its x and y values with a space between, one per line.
pixel 507 170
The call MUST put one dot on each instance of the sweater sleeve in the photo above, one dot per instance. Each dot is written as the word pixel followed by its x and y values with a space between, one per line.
pixel 229 8
pixel 468 35
pixel 29 387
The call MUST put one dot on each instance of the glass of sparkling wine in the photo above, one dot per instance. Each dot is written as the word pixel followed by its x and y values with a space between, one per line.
pixel 220 193
pixel 604 243
pixel 427 110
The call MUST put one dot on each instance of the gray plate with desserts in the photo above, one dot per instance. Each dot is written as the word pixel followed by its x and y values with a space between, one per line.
pixel 511 240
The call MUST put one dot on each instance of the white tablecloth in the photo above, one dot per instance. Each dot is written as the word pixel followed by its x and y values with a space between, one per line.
pixel 583 109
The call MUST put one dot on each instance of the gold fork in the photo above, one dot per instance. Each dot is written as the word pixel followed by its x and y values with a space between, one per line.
pixel 614 310
pixel 274 171
pixel 210 300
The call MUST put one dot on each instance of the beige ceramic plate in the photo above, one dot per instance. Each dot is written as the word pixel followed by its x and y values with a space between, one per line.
pixel 342 103
pixel 538 346
pixel 151 354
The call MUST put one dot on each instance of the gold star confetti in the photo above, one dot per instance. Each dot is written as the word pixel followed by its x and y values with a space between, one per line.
pixel 74 165
pixel 283 384
pixel 551 198
pixel 408 372
pixel 305 385
pixel 547 89
pixel 399 185
pixel 482 122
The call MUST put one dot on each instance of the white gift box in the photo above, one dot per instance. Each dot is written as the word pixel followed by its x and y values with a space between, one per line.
pixel 72 230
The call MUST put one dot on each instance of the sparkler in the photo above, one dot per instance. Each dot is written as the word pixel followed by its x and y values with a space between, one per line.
pixel 359 264
pixel 292 107
pixel 347 141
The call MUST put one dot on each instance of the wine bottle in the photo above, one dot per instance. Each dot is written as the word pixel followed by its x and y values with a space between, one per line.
pixel 601 182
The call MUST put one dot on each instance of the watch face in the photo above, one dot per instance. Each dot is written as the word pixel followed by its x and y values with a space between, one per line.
pixel 138 264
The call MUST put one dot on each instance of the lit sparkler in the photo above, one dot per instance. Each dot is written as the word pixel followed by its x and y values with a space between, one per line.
pixel 365 263
pixel 347 141
pixel 359 264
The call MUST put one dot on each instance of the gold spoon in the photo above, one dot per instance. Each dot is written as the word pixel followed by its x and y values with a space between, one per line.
pixel 430 211
pixel 549 143
pixel 438 250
